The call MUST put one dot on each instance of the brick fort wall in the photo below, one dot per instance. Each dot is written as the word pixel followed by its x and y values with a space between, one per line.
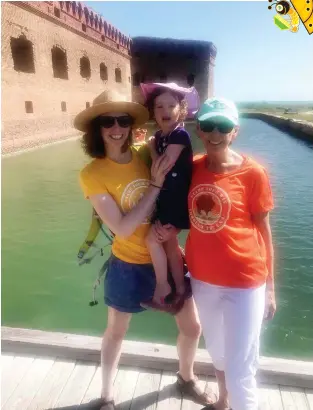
pixel 57 56
pixel 51 57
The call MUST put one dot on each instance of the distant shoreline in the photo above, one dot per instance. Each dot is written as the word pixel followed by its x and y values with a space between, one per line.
pixel 290 123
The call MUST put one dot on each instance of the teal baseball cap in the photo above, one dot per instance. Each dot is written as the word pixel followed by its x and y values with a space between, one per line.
pixel 218 107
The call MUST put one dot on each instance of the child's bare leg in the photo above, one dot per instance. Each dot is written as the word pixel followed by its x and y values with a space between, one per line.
pixel 159 261
pixel 176 263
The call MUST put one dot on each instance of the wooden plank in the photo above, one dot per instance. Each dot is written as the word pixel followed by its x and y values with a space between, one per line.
pixel 270 397
pixel 13 375
pixel 52 386
pixel 169 396
pixel 147 390
pixel 293 398
pixel 309 397
pixel 6 362
pixel 94 390
pixel 188 403
pixel 286 372
pixel 124 387
pixel 147 355
pixel 76 385
pixel 26 390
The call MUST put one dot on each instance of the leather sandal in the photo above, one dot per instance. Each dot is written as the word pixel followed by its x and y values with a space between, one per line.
pixel 192 389
pixel 107 405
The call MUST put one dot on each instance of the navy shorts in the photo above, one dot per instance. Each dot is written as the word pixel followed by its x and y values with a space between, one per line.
pixel 127 285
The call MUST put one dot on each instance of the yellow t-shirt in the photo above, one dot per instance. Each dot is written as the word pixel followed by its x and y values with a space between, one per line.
pixel 126 183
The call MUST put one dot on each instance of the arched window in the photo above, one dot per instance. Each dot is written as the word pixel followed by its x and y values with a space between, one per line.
pixel 22 54
pixel 190 79
pixel 59 63
pixel 103 72
pixel 118 75
pixel 85 70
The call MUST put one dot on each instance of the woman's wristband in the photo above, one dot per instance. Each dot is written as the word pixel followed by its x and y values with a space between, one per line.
pixel 156 186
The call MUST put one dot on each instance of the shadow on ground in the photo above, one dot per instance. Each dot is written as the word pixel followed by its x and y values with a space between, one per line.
pixel 138 403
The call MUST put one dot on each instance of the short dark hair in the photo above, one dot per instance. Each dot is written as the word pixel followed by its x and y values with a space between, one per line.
pixel 160 90
pixel 92 141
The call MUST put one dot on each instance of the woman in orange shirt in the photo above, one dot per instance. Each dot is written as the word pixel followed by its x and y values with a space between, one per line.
pixel 229 254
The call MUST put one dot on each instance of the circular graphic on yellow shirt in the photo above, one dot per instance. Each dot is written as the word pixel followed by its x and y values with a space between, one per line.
pixel 209 208
pixel 132 194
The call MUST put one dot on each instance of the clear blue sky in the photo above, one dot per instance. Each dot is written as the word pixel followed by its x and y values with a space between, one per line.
pixel 255 60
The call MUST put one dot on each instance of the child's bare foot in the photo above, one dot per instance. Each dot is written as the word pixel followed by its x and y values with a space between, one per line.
pixel 161 291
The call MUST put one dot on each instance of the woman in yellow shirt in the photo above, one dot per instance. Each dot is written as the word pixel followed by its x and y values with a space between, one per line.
pixel 123 192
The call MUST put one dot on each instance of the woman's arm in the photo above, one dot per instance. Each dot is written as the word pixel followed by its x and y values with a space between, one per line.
pixel 125 225
pixel 262 222
pixel 120 224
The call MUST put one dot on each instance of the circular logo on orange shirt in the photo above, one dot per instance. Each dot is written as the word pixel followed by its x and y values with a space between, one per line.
pixel 209 208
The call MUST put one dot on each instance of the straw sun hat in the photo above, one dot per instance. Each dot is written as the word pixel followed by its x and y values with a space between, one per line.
pixel 111 101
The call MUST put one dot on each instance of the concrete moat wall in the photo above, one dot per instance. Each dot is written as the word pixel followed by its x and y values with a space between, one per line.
pixel 300 128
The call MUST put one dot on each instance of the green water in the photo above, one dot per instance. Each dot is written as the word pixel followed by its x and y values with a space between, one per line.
pixel 45 219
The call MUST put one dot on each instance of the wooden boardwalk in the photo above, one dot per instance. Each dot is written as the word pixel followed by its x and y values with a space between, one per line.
pixel 36 383
pixel 51 370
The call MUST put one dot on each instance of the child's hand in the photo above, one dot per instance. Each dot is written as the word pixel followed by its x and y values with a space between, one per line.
pixel 163 233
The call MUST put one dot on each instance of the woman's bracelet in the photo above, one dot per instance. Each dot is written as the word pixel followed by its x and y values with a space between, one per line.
pixel 156 186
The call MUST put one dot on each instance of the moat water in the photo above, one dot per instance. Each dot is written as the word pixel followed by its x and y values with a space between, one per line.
pixel 45 220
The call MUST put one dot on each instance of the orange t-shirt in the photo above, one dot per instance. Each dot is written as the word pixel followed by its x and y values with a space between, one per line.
pixel 224 247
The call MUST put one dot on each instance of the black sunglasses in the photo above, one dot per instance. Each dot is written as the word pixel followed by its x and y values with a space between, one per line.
pixel 123 121
pixel 222 127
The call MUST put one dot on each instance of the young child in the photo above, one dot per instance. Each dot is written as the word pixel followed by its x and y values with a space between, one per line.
pixel 167 104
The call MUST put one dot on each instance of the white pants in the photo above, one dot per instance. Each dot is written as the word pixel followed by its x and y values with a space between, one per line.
pixel 231 321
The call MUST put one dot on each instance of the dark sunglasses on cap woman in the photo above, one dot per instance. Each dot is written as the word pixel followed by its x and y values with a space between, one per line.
pixel 223 127
pixel 124 121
